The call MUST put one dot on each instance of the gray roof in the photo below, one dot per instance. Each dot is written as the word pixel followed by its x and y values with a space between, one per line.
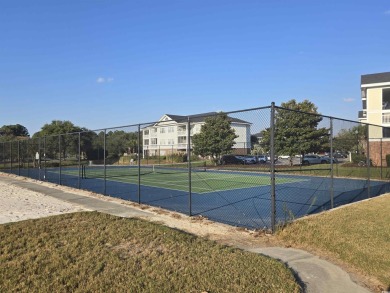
pixel 201 118
pixel 375 78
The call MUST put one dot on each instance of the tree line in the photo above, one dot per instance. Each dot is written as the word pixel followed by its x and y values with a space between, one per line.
pixel 297 131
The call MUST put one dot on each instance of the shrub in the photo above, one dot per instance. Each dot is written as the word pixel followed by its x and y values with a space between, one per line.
pixel 388 160
pixel 356 158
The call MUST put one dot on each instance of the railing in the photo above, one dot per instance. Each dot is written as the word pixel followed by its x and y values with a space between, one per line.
pixel 386 118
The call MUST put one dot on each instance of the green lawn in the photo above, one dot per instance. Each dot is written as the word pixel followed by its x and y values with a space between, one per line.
pixel 177 178
pixel 358 235
pixel 93 252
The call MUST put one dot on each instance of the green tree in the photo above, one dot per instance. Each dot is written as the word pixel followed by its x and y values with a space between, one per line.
pixel 216 137
pixel 13 132
pixel 66 133
pixel 297 132
pixel 351 140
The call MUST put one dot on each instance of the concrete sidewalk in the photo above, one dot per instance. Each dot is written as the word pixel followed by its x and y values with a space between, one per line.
pixel 315 274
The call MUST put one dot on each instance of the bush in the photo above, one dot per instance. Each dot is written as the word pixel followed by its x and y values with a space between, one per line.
pixel 356 158
pixel 388 160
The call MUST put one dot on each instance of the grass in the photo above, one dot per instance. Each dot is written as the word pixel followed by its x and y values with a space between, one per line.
pixel 93 252
pixel 346 170
pixel 358 235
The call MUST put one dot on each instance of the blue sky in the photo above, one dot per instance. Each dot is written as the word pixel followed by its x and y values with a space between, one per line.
pixel 110 63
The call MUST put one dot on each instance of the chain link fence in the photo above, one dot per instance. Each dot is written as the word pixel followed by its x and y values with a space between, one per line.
pixel 282 164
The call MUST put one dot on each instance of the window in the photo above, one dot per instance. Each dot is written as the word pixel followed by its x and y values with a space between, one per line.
pixel 162 130
pixel 154 130
pixel 182 139
pixel 171 141
pixel 146 132
pixel 146 142
pixel 386 132
pixel 386 99
pixel 162 141
pixel 364 104
pixel 171 129
pixel 154 141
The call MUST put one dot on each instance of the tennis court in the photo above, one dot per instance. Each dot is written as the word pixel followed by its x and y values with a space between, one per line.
pixel 175 177
pixel 241 198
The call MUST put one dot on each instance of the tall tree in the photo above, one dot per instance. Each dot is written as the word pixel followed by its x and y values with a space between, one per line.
pixel 296 129
pixel 13 132
pixel 216 137
pixel 352 140
pixel 68 136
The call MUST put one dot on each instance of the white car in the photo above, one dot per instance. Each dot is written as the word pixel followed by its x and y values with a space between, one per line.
pixel 284 157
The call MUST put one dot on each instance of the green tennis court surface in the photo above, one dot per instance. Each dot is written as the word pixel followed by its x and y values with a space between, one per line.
pixel 202 181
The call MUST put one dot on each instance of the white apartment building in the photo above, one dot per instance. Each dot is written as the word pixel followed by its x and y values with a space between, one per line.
pixel 375 92
pixel 170 133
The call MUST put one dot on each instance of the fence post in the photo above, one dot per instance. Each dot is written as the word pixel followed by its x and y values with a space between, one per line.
pixel 139 164
pixel 60 162
pixel 381 159
pixel 331 165
pixel 10 150
pixel 272 170
pixel 39 159
pixel 44 157
pixel 3 155
pixel 189 166
pixel 18 157
pixel 79 160
pixel 104 161
pixel 368 161
pixel 28 157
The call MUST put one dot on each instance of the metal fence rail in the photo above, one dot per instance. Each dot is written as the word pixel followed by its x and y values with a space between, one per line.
pixel 155 164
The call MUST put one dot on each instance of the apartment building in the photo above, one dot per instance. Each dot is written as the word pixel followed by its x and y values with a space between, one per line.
pixel 170 134
pixel 375 93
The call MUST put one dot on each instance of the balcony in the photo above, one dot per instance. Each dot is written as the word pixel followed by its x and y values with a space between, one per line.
pixel 362 114
pixel 386 118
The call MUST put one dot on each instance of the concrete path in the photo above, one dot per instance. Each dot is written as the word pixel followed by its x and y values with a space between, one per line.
pixel 315 274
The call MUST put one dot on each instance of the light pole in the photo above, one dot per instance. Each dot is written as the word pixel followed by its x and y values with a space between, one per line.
pixel 357 141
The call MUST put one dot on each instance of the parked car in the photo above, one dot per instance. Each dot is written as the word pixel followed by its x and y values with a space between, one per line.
pixel 327 159
pixel 247 159
pixel 262 159
pixel 231 159
pixel 340 155
pixel 269 158
pixel 283 157
pixel 312 159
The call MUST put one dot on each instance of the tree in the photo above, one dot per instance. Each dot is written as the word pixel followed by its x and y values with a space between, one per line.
pixel 68 136
pixel 216 137
pixel 120 142
pixel 13 132
pixel 352 140
pixel 297 132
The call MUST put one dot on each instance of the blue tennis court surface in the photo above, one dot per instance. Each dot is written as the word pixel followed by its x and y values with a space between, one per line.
pixel 244 200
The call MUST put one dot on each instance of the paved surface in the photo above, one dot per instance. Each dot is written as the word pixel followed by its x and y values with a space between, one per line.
pixel 315 274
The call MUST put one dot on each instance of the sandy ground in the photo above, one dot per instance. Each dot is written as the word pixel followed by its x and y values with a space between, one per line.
pixel 17 204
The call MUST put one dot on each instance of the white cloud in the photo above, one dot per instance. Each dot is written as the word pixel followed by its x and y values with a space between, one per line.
pixel 104 79
pixel 349 100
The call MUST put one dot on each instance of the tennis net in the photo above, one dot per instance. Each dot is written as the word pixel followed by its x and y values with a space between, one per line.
pixel 111 171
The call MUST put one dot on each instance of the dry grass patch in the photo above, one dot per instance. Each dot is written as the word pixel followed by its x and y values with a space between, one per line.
pixel 358 235
pixel 89 252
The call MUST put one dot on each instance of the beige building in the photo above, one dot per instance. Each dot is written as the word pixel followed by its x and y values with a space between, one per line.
pixel 375 92
pixel 170 134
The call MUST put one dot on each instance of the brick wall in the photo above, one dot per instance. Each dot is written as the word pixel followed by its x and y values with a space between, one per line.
pixel 375 152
